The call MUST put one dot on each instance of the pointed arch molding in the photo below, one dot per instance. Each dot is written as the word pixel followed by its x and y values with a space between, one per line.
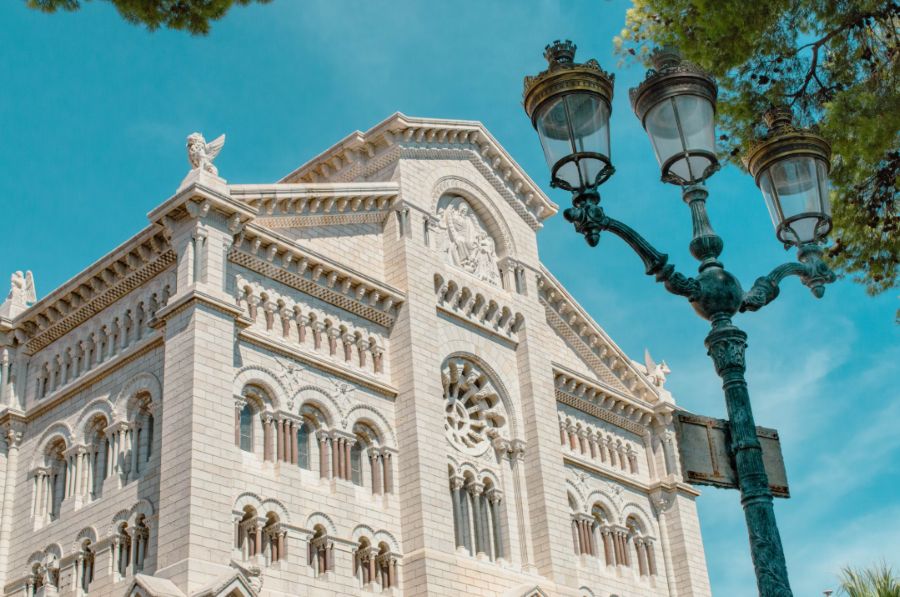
pixel 481 204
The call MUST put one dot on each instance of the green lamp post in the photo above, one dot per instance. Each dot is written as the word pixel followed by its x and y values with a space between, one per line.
pixel 569 105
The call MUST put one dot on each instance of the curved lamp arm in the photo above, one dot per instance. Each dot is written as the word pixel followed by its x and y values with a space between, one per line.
pixel 813 272
pixel 590 220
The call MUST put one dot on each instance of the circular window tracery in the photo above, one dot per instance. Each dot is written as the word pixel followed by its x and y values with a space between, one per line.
pixel 474 411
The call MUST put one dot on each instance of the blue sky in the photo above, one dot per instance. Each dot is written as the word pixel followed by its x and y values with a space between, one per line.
pixel 93 117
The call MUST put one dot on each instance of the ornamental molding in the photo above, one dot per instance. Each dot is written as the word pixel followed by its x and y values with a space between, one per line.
pixel 591 342
pixel 128 267
pixel 266 342
pixel 318 204
pixel 311 273
pixel 477 307
pixel 359 154
pixel 603 402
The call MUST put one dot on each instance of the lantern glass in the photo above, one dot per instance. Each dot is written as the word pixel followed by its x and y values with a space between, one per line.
pixel 796 194
pixel 574 132
pixel 682 131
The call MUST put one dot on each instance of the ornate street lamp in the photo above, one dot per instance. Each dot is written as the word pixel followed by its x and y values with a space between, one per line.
pixel 569 107
pixel 569 104
pixel 676 103
pixel 791 168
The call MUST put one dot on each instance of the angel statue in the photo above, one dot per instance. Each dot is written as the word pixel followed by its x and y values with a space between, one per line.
pixel 21 289
pixel 201 154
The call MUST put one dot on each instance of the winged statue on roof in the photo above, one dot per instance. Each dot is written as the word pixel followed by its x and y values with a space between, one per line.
pixel 21 289
pixel 201 154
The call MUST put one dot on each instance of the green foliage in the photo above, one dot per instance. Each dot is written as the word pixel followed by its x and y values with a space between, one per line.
pixel 878 581
pixel 837 64
pixel 193 16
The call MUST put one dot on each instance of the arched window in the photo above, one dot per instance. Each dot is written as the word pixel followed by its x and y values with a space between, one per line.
pixel 641 546
pixel 249 534
pixel 98 454
pixel 275 538
pixel 356 463
pixel 122 550
pixel 386 563
pixel 246 428
pixel 602 534
pixel 477 516
pixel 321 551
pixel 141 535
pixel 303 446
pixel 85 567
pixel 55 477
pixel 364 563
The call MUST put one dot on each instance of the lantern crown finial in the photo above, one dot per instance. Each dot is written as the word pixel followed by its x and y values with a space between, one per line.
pixel 560 52
pixel 665 57
pixel 778 117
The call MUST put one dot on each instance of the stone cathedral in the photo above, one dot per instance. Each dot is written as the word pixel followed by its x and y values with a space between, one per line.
pixel 358 380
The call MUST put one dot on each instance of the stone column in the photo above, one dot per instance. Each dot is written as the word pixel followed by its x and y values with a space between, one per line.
pixel 387 461
pixel 266 419
pixel 375 467
pixel 12 434
pixel 494 498
pixel 323 453
pixel 238 407
pixel 475 490
pixel 279 440
pixel 576 540
pixel 460 526
pixel 651 557
pixel 608 547
pixel 337 460
pixel 4 377
pixel 348 471
pixel 641 556
pixel 294 450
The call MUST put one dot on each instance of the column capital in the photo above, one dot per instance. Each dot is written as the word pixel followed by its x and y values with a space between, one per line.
pixel 457 482
pixel 13 432
pixel 475 488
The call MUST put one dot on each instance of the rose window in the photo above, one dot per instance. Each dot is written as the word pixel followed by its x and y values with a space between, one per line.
pixel 474 412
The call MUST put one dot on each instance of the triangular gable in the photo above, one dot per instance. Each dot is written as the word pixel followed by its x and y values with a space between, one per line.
pixel 145 585
pixel 362 153
pixel 234 584
pixel 528 590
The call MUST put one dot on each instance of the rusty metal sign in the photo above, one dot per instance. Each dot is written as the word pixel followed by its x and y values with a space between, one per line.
pixel 704 444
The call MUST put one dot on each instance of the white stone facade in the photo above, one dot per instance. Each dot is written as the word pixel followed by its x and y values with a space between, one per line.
pixel 357 380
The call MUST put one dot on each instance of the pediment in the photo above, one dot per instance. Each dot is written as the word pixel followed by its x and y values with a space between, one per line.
pixel 362 155
pixel 145 585
pixel 526 591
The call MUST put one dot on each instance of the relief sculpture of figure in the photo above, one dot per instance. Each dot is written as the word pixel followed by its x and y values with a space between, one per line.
pixel 201 154
pixel 462 235
pixel 469 245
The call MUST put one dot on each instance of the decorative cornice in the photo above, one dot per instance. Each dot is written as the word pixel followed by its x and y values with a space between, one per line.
pixel 305 270
pixel 353 154
pixel 284 349
pixel 590 341
pixel 125 268
pixel 472 305
pixel 603 402
pixel 318 204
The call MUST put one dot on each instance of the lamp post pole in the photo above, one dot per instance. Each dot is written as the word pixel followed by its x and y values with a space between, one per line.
pixel 779 165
